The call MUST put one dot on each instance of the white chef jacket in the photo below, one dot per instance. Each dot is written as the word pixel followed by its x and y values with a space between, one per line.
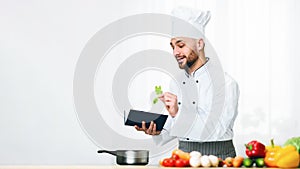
pixel 203 117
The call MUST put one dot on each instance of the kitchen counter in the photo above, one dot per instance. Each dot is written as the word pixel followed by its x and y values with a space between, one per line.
pixel 79 167
pixel 98 167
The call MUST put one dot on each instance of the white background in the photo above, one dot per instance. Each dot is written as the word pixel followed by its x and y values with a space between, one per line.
pixel 40 42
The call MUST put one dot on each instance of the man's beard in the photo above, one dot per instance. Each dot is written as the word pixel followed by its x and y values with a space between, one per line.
pixel 187 65
pixel 190 63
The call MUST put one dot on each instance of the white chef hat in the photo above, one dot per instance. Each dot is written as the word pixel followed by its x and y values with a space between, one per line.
pixel 196 18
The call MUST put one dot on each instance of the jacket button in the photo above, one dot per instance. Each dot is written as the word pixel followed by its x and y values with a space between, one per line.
pixel 187 139
pixel 197 81
pixel 179 103
pixel 194 102
pixel 183 82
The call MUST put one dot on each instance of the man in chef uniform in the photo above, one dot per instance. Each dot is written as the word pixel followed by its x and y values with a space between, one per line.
pixel 203 111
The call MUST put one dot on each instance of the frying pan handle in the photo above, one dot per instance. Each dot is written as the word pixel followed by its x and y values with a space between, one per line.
pixel 109 152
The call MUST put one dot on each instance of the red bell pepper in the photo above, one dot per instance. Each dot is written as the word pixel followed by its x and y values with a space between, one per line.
pixel 255 149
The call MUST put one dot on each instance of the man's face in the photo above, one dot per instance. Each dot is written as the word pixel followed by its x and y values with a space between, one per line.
pixel 184 51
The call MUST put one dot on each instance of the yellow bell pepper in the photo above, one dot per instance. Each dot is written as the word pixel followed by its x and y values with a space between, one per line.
pixel 287 157
pixel 272 147
pixel 271 151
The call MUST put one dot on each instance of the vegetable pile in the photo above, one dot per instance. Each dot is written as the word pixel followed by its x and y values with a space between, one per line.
pixel 180 158
pixel 257 155
pixel 283 157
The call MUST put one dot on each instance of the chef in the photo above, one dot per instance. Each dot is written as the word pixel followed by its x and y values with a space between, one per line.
pixel 202 112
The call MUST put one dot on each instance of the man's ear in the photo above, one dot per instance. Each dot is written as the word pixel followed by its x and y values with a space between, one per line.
pixel 200 44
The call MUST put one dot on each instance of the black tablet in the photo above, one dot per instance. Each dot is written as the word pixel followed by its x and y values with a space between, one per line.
pixel 135 117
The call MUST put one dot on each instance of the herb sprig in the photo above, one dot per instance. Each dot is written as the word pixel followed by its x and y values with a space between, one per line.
pixel 158 91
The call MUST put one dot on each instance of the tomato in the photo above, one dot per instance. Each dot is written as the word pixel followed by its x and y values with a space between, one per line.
pixel 168 162
pixel 179 163
pixel 175 156
pixel 186 162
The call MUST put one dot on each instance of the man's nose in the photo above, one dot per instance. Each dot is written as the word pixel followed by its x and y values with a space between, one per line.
pixel 176 51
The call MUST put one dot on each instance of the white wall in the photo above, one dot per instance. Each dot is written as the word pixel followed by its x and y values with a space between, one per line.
pixel 40 42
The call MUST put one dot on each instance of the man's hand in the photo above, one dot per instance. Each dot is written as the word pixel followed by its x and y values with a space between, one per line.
pixel 170 101
pixel 151 130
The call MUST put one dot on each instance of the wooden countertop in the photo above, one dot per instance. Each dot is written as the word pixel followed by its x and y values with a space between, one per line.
pixel 97 167
pixel 80 167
